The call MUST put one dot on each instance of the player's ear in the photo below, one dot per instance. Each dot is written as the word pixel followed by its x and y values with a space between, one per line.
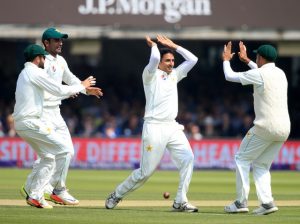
pixel 46 42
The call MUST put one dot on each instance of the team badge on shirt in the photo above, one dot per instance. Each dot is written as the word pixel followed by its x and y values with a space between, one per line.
pixel 53 68
pixel 163 76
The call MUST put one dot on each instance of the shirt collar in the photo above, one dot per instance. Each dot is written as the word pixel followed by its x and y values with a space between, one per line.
pixel 30 64
pixel 271 64
pixel 50 57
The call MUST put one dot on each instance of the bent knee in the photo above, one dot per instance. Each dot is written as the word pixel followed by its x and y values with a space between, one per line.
pixel 47 160
pixel 189 158
pixel 67 155
pixel 47 157
pixel 142 176
pixel 71 153
pixel 259 165
pixel 67 149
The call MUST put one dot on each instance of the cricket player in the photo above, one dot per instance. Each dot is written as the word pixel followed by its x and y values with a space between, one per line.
pixel 271 127
pixel 44 140
pixel 58 70
pixel 160 130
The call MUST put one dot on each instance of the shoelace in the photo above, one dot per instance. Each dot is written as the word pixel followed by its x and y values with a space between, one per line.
pixel 180 206
pixel 187 206
pixel 113 196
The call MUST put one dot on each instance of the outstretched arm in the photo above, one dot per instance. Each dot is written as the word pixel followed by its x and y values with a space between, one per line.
pixel 43 81
pixel 230 75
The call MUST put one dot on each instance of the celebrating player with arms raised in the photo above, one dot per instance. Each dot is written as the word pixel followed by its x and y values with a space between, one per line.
pixel 160 130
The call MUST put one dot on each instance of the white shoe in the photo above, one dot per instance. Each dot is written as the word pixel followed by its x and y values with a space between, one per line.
pixel 112 201
pixel 38 203
pixel 33 202
pixel 264 210
pixel 236 207
pixel 184 207
pixel 63 198
pixel 45 204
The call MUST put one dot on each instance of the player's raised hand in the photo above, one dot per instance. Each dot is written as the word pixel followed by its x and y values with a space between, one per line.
pixel 150 42
pixel 243 53
pixel 163 40
pixel 94 91
pixel 227 55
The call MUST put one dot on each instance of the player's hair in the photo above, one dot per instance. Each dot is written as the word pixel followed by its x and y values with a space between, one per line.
pixel 164 51
pixel 43 42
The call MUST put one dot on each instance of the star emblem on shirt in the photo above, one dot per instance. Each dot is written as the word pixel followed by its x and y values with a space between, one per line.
pixel 48 130
pixel 149 148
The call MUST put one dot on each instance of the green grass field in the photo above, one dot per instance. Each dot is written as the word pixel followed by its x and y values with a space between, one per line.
pixel 208 187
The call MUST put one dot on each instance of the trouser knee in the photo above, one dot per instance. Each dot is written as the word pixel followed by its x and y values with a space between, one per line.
pixel 258 165
pixel 189 159
pixel 47 157
pixel 47 160
pixel 66 155
pixel 142 176
pixel 69 150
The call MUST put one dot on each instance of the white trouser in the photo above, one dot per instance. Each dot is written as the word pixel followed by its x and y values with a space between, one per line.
pixel 49 145
pixel 260 153
pixel 155 139
pixel 51 115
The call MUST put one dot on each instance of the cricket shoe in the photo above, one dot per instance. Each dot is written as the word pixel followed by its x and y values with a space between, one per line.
pixel 112 201
pixel 265 209
pixel 38 203
pixel 63 198
pixel 236 207
pixel 184 207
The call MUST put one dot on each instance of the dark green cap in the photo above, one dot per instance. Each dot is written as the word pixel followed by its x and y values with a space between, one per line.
pixel 53 33
pixel 267 51
pixel 32 51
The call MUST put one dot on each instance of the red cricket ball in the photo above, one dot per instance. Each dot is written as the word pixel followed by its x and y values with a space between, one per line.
pixel 166 195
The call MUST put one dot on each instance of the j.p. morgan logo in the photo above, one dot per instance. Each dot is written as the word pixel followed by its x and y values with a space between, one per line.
pixel 173 10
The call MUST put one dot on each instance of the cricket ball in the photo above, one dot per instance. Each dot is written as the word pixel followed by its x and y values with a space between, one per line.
pixel 166 195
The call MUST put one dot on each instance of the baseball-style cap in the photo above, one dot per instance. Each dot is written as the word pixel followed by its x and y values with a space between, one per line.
pixel 267 51
pixel 32 51
pixel 53 33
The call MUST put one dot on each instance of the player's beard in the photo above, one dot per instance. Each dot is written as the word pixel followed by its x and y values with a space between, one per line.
pixel 41 64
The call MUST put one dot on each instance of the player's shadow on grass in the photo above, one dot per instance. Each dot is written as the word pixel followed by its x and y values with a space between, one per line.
pixel 143 209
